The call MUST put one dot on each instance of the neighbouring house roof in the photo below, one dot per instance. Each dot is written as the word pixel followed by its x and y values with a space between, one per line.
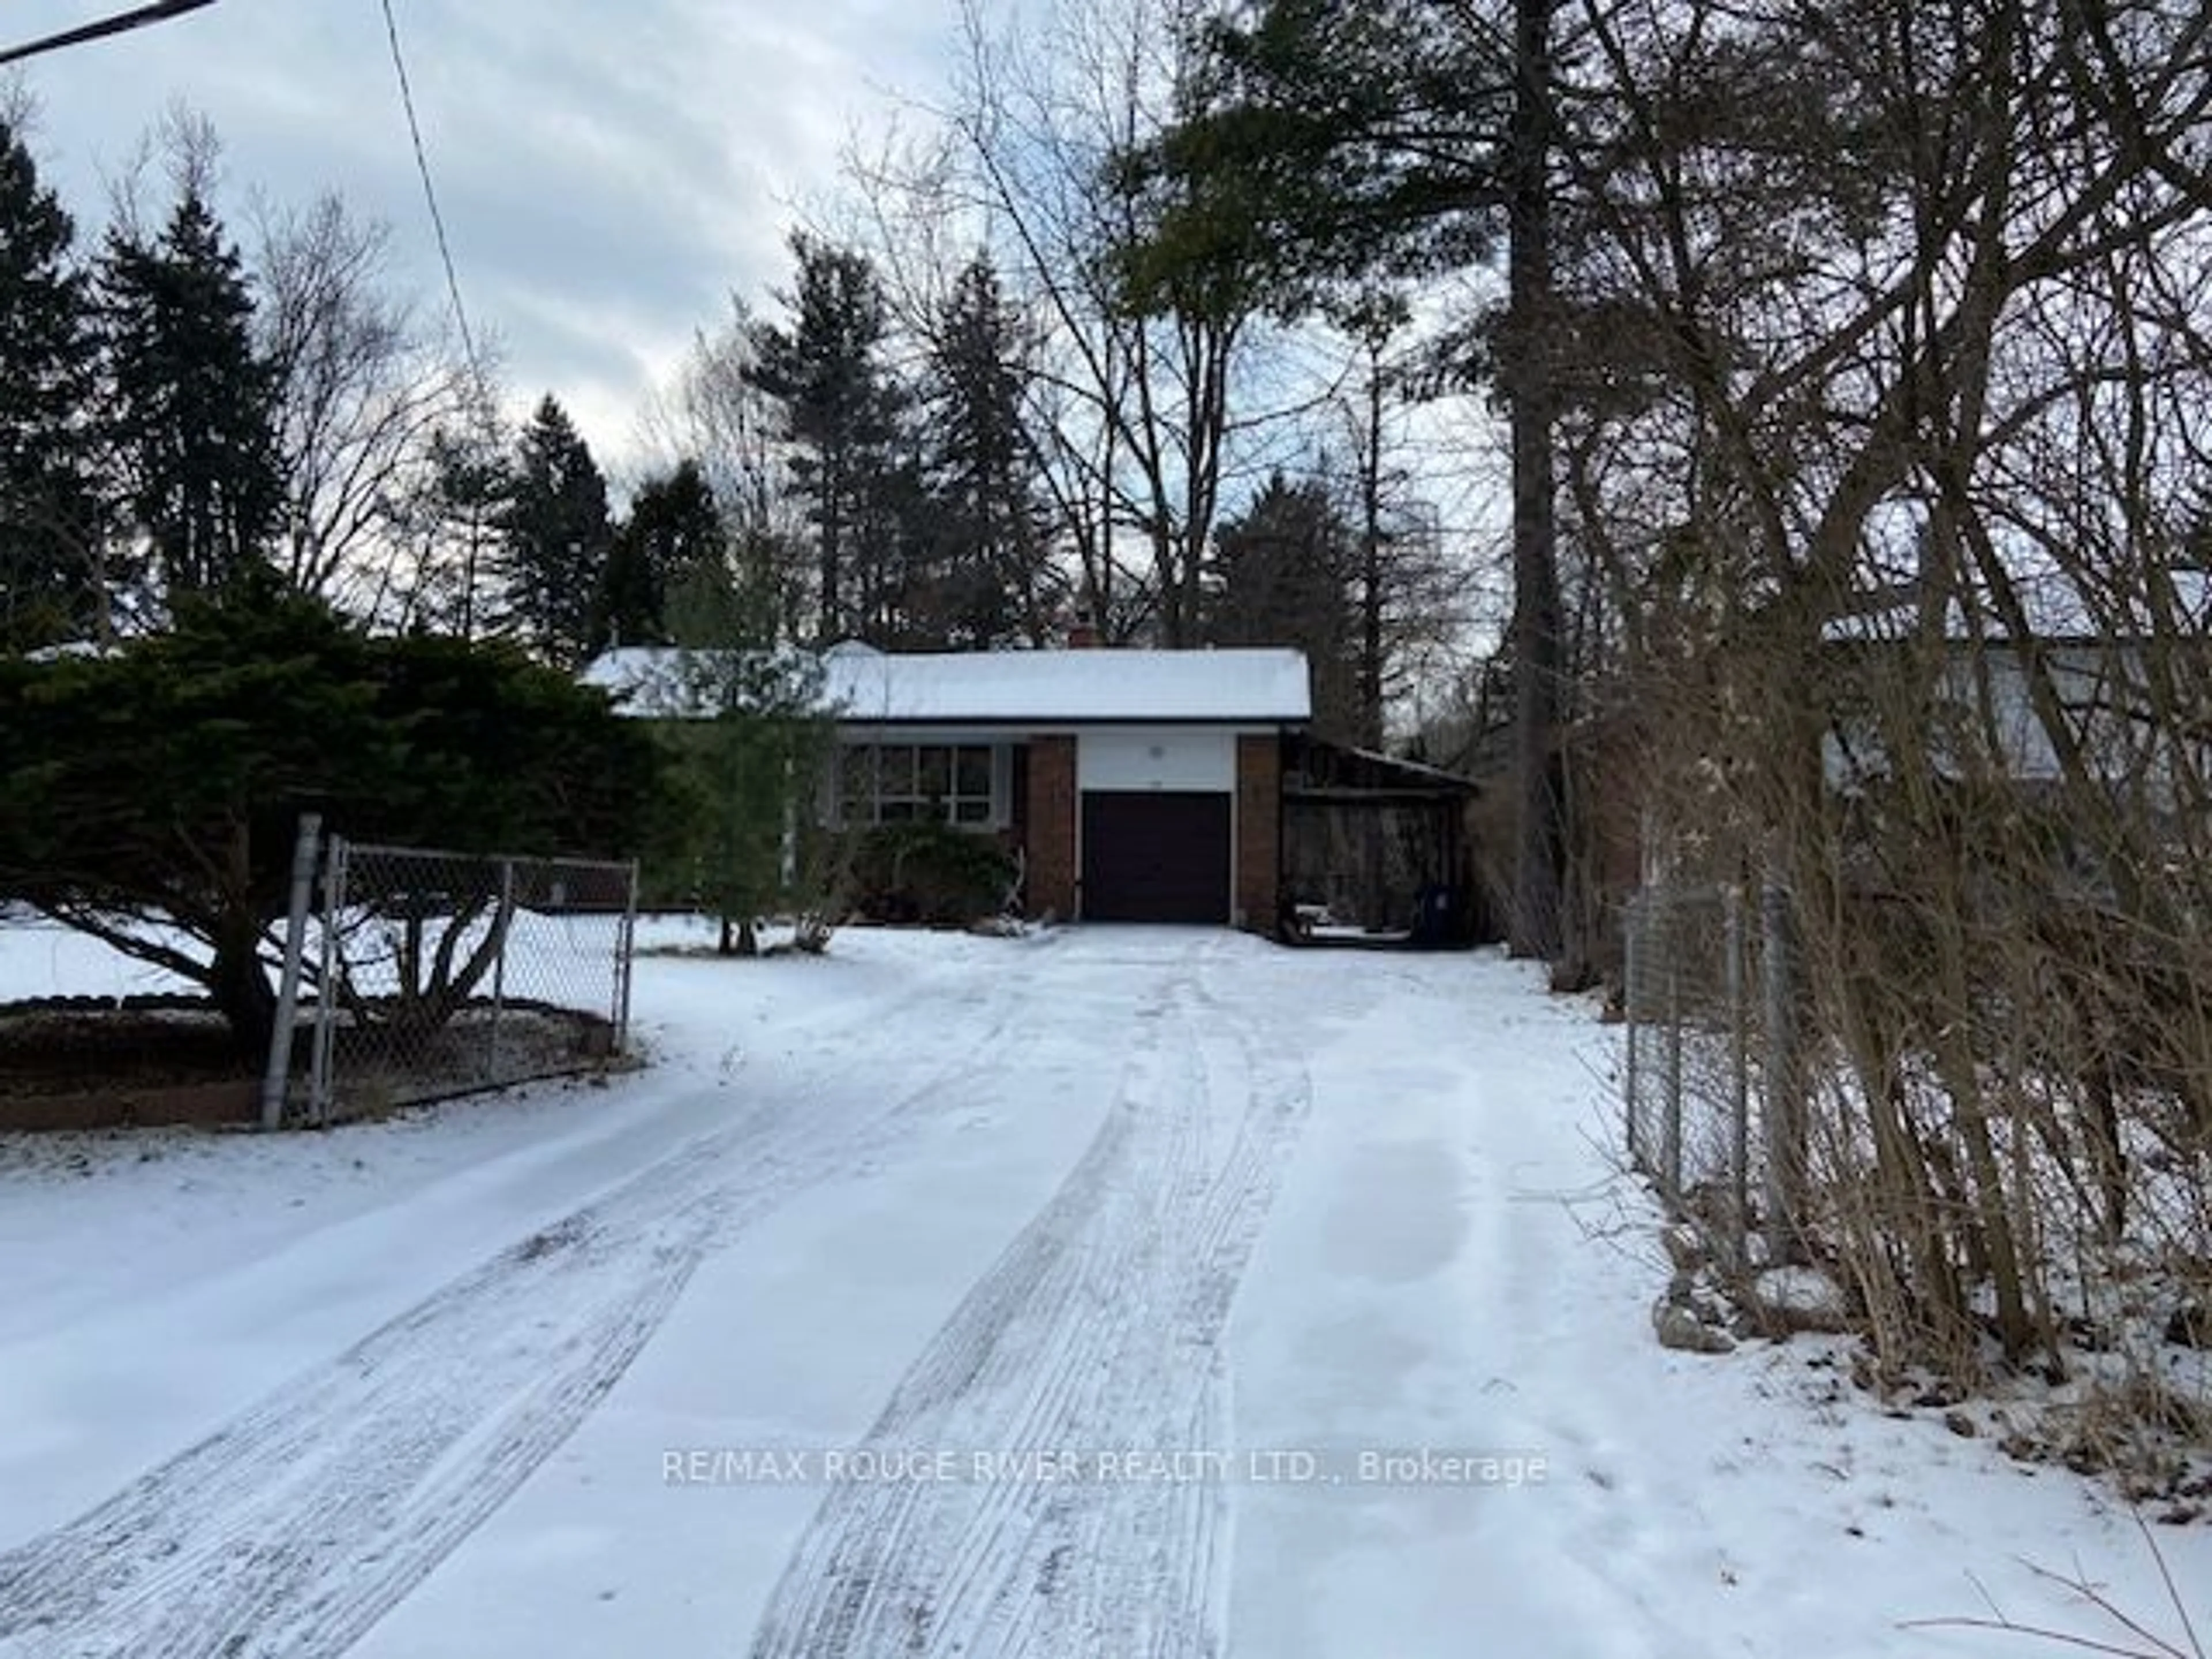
pixel 1262 686
pixel 1979 710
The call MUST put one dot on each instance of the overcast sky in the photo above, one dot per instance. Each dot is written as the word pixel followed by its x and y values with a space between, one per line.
pixel 609 174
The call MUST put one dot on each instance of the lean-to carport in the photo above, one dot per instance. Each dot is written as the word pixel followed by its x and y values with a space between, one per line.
pixel 1374 850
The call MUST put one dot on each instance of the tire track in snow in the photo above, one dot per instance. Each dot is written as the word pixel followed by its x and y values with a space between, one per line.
pixel 296 1526
pixel 1098 1328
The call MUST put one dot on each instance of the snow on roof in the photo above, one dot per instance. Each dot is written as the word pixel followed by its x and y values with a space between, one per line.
pixel 1258 685
pixel 68 648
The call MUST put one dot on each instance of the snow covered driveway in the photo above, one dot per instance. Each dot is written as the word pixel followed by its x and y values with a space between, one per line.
pixel 1098 1332
pixel 1111 1292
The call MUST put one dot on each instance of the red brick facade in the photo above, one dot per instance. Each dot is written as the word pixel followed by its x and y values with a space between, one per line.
pixel 1259 831
pixel 1051 805
pixel 1050 817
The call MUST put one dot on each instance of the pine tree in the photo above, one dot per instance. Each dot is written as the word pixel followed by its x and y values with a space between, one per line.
pixel 50 570
pixel 1283 575
pixel 674 528
pixel 190 408
pixel 840 412
pixel 990 578
pixel 1331 144
pixel 455 518
pixel 554 539
pixel 900 537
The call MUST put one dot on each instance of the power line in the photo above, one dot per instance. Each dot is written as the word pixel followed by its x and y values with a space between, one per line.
pixel 121 23
pixel 480 399
pixel 429 195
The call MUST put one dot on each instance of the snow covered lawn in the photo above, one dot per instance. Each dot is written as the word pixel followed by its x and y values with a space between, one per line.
pixel 1107 1291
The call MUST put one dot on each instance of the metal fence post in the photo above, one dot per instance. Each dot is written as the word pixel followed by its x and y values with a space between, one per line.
pixel 1670 1128
pixel 277 1072
pixel 326 993
pixel 502 919
pixel 1632 950
pixel 625 955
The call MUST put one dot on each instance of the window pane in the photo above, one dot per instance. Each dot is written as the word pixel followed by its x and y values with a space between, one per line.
pixel 856 784
pixel 967 810
pixel 898 812
pixel 935 770
pixel 975 772
pixel 897 763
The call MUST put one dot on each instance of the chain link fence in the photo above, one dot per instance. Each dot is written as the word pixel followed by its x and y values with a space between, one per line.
pixel 1710 996
pixel 426 974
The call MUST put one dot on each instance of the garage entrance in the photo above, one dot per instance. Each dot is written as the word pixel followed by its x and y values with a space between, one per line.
pixel 1376 851
pixel 1155 855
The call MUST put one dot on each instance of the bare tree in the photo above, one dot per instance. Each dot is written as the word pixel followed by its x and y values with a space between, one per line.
pixel 1142 403
pixel 1908 385
pixel 363 386
pixel 716 414
pixel 1408 594
pixel 184 147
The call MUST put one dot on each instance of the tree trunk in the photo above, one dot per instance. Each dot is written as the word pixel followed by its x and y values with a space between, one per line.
pixel 1370 561
pixel 1534 928
pixel 241 989
pixel 236 979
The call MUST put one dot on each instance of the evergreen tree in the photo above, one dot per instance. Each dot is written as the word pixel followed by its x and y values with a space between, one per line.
pixel 989 578
pixel 150 797
pixel 50 570
pixel 674 528
pixel 1331 145
pixel 840 412
pixel 1283 575
pixel 633 597
pixel 554 539
pixel 190 408
pixel 745 756
pixel 901 531
pixel 456 519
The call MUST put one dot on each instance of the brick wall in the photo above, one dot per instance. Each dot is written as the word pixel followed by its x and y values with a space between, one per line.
pixel 1259 831
pixel 1050 818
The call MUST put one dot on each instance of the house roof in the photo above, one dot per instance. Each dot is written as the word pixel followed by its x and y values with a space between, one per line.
pixel 1316 770
pixel 1243 686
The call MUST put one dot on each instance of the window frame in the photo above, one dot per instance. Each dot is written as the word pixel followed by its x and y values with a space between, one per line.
pixel 914 769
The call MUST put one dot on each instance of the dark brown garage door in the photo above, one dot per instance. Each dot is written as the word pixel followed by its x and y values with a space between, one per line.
pixel 1155 857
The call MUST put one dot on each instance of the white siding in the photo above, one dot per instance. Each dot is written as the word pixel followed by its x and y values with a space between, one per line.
pixel 1156 757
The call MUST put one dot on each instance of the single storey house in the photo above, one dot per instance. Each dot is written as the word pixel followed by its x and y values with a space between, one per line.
pixel 1136 786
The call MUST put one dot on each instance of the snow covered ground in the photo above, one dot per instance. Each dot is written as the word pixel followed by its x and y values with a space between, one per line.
pixel 1107 1291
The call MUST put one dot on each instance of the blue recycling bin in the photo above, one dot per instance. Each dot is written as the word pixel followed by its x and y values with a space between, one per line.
pixel 1436 914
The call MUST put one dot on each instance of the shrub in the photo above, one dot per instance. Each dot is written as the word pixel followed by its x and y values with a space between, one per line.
pixel 930 873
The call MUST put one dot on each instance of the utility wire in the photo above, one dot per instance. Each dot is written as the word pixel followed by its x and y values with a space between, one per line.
pixel 480 398
pixel 429 195
pixel 121 23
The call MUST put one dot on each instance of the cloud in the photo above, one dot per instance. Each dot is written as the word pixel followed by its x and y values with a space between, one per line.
pixel 608 174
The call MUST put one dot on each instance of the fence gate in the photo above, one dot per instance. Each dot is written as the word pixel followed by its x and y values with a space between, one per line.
pixel 423 974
